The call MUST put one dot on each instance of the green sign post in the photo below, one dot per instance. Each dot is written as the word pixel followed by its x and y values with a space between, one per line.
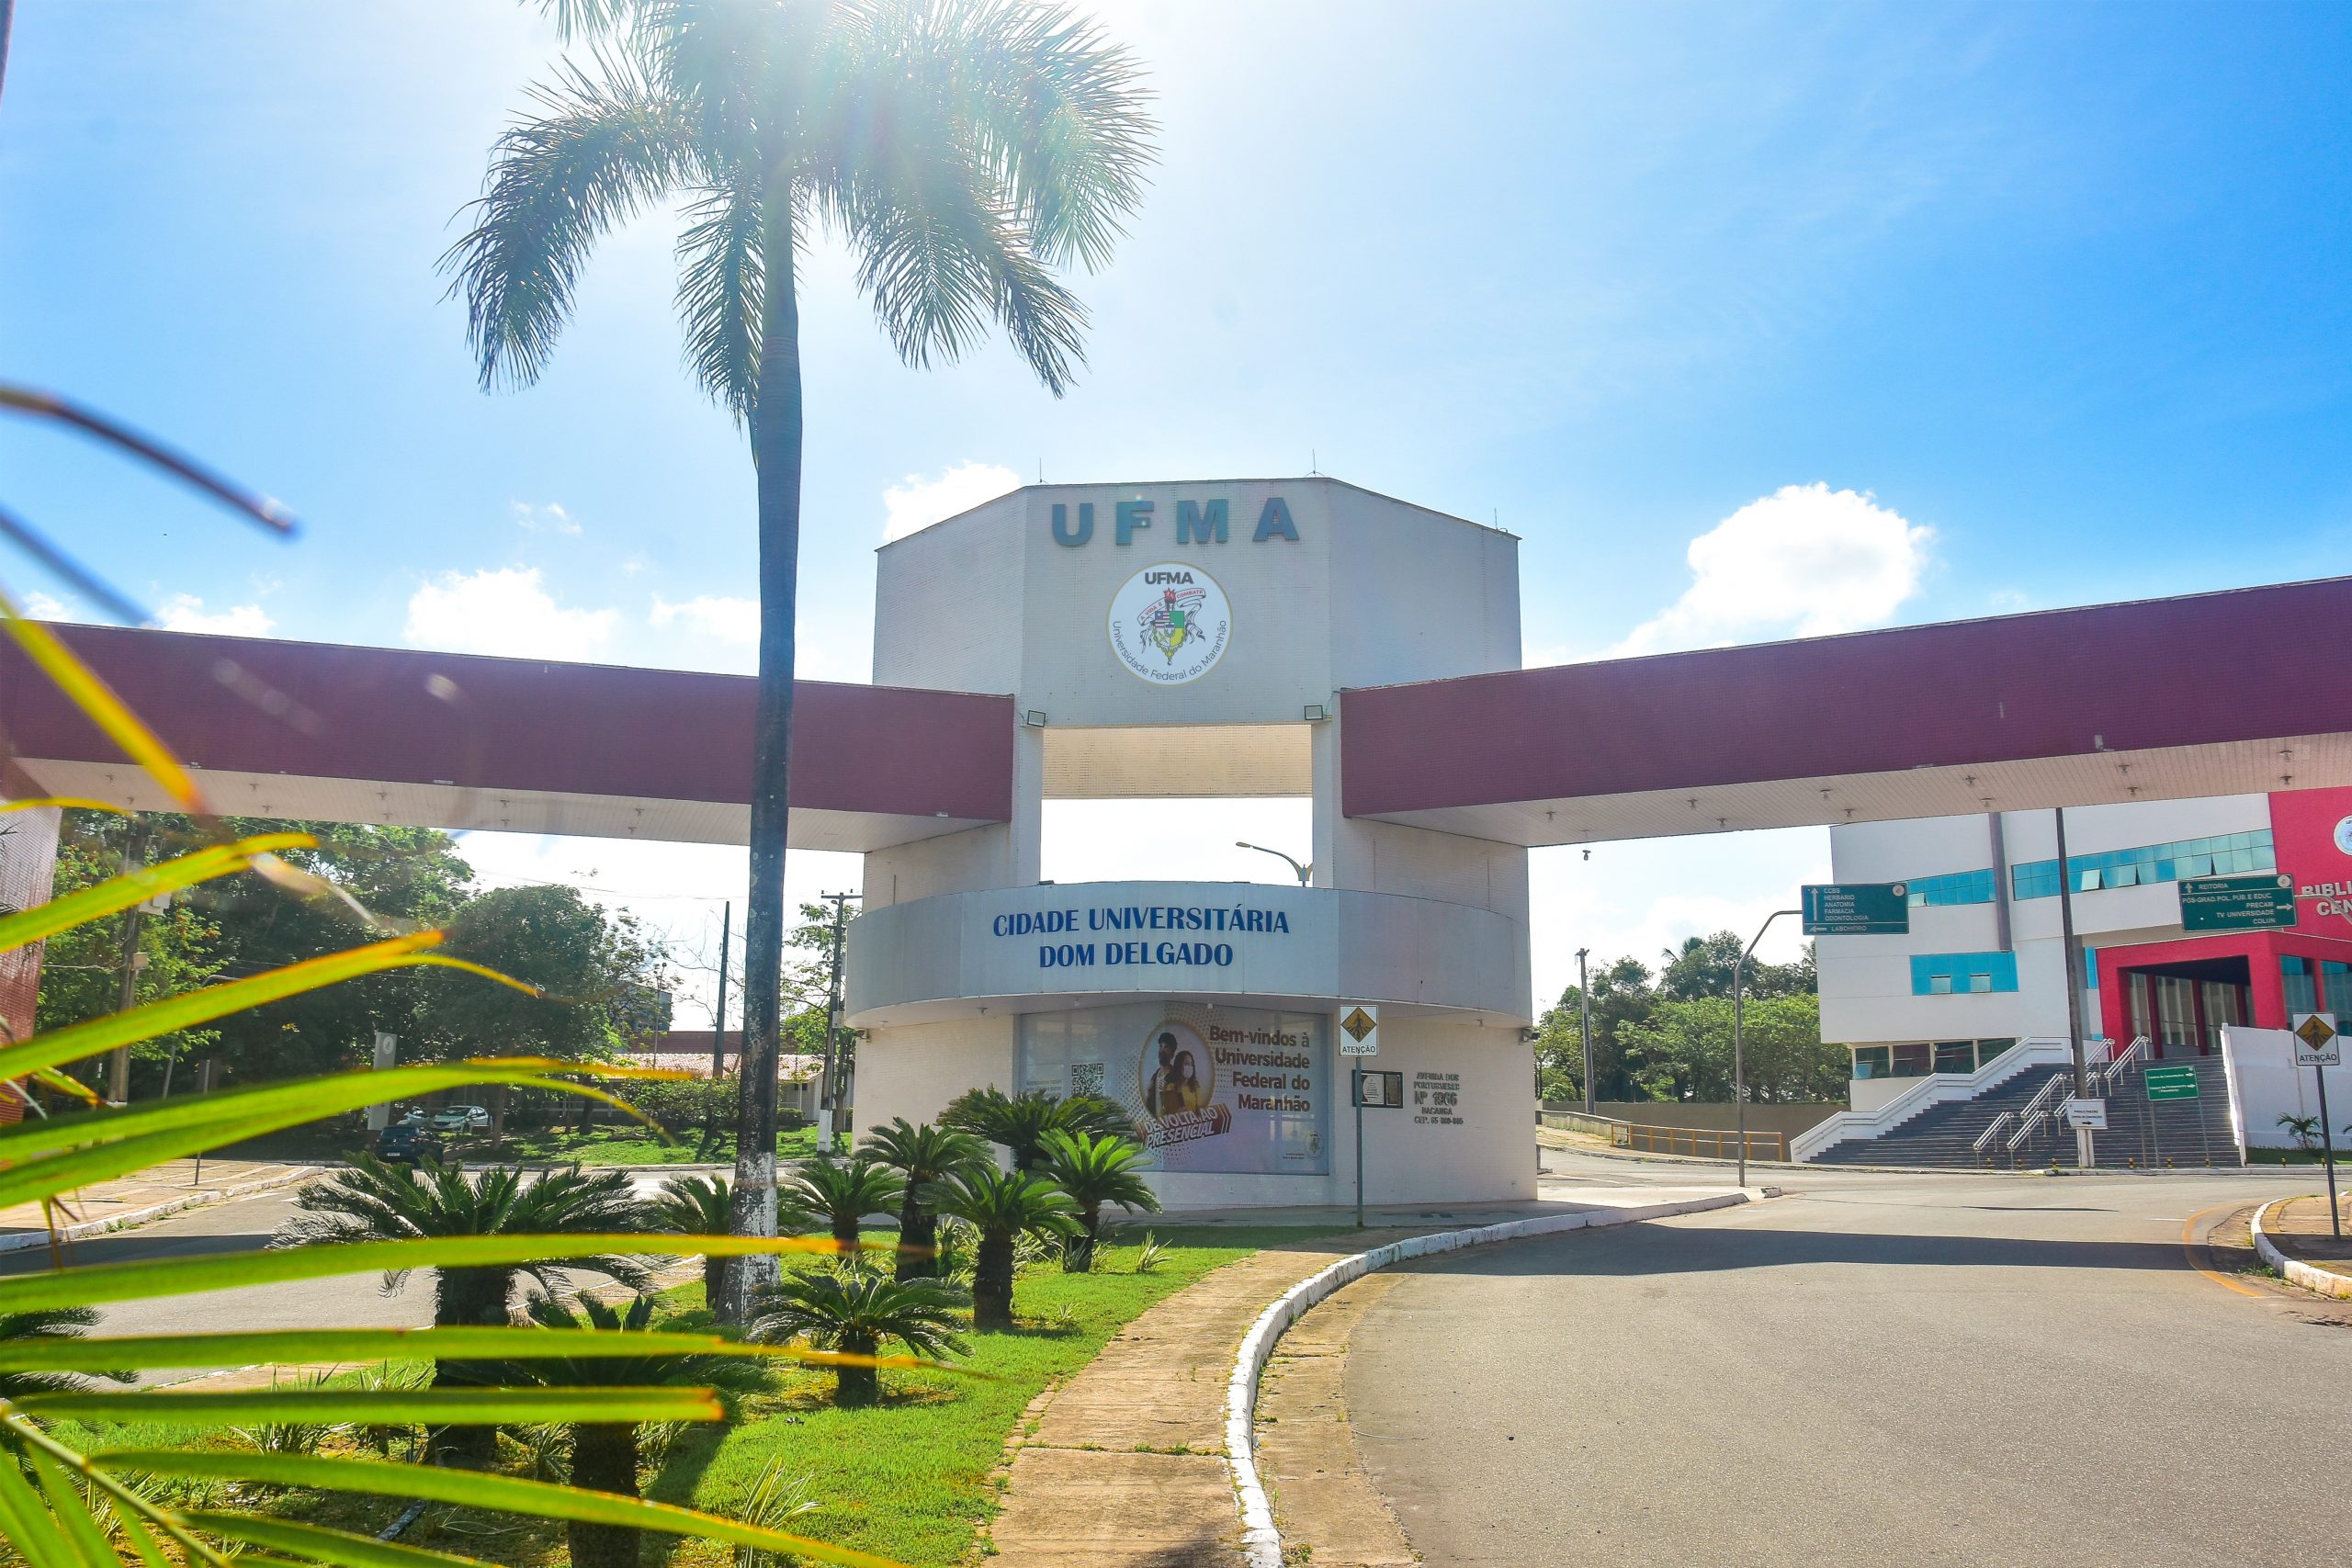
pixel 2171 1083
pixel 2262 902
pixel 1857 909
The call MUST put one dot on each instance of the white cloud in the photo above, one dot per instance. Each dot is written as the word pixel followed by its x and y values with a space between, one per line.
pixel 185 613
pixel 548 519
pixel 502 610
pixel 1805 560
pixel 49 607
pixel 730 620
pixel 918 502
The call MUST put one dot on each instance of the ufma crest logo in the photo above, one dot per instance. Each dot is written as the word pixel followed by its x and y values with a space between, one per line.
pixel 1169 624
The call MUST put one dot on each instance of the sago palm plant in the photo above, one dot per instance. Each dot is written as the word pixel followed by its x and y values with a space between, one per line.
pixel 695 1206
pixel 921 1156
pixel 605 1454
pixel 1002 1205
pixel 1095 1171
pixel 373 1201
pixel 840 1194
pixel 959 149
pixel 857 1311
pixel 57 1323
pixel 1021 1122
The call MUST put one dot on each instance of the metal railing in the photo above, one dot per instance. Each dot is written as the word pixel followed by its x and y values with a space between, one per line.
pixel 1608 1127
pixel 1984 1139
pixel 2131 1055
pixel 1705 1142
pixel 2040 1108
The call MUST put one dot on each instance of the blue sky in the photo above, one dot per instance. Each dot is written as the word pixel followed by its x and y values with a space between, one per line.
pixel 2060 289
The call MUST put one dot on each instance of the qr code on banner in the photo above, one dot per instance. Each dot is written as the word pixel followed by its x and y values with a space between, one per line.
pixel 1086 1077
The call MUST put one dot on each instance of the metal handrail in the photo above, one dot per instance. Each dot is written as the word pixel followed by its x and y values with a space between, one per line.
pixel 1985 1137
pixel 1718 1143
pixel 2134 1053
pixel 2037 1109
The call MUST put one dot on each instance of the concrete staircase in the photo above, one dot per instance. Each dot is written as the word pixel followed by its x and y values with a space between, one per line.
pixel 2180 1135
pixel 1946 1134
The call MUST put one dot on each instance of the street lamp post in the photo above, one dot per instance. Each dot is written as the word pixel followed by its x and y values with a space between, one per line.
pixel 1738 1037
pixel 1306 873
pixel 1584 1026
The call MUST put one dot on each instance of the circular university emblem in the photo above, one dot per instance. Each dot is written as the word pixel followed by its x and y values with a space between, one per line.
pixel 1169 624
pixel 2343 836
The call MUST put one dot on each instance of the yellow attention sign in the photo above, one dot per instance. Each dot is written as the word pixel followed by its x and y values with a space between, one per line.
pixel 2314 1032
pixel 1358 1024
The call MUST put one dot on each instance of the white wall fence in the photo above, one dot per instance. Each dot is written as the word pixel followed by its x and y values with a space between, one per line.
pixel 2265 1084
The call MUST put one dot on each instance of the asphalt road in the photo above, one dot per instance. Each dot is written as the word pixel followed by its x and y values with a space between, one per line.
pixel 1871 1369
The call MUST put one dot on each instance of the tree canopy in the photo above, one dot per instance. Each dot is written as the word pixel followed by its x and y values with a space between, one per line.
pixel 1667 1034
pixel 596 966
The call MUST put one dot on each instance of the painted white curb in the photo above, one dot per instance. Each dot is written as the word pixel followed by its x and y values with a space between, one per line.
pixel 1262 1544
pixel 88 1228
pixel 2296 1271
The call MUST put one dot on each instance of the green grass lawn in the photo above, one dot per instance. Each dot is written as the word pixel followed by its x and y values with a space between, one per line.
pixel 629 1145
pixel 908 1480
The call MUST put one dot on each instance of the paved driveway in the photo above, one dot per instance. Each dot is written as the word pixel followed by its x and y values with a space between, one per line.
pixel 1872 1370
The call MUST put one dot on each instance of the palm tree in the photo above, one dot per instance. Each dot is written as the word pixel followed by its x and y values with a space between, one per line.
pixel 1002 1205
pixel 375 1202
pixel 856 1312
pixel 695 1206
pixel 921 1156
pixel 838 1194
pixel 961 148
pixel 56 1322
pixel 1095 1170
pixel 604 1453
pixel 1021 1122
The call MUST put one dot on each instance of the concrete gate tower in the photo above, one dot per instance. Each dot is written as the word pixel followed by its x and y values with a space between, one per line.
pixel 1190 639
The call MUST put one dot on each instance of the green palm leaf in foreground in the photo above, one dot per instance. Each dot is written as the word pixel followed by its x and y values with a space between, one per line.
pixel 468 1489
pixel 311 1347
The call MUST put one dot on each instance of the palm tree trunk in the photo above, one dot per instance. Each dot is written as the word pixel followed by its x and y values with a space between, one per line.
pixel 857 1385
pixel 918 1236
pixel 604 1459
pixel 1077 1252
pixel 992 1281
pixel 775 452
pixel 466 1298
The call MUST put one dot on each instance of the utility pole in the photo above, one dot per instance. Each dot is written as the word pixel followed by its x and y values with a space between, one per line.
pixel 718 1013
pixel 134 857
pixel 1584 1026
pixel 1739 1036
pixel 2085 1152
pixel 836 1063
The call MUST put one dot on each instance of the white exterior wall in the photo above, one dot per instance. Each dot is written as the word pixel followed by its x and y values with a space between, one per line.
pixel 1432 926
pixel 924 1066
pixel 1865 984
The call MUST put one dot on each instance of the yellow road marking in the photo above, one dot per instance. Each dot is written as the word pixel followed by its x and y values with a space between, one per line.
pixel 2188 1250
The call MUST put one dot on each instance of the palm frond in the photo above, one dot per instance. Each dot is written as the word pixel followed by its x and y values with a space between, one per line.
pixel 594 151
pixel 1051 109
pixel 722 283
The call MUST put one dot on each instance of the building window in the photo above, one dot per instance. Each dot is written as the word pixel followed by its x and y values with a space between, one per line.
pixel 1988 1050
pixel 2336 987
pixel 2295 978
pixel 1955 1056
pixel 1943 974
pixel 2223 854
pixel 1872 1062
pixel 1953 887
pixel 1912 1060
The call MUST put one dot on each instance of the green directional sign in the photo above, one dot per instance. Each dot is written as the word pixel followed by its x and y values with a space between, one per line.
pixel 2172 1083
pixel 2262 902
pixel 1857 909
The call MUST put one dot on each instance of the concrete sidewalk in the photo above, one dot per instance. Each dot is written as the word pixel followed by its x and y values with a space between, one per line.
pixel 150 1194
pixel 1124 1465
